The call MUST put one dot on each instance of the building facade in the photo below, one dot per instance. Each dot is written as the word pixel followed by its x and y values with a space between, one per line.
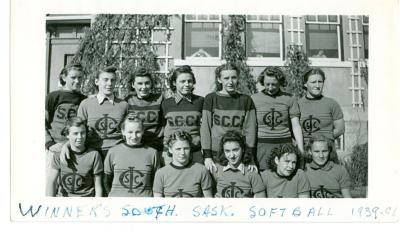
pixel 337 44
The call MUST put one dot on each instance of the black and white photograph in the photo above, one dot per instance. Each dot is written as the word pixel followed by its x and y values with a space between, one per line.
pixel 188 112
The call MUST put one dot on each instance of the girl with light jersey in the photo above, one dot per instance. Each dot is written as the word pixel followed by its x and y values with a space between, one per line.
pixel 327 179
pixel 146 105
pixel 277 115
pixel 283 178
pixel 182 177
pixel 226 109
pixel 320 115
pixel 183 111
pixel 130 167
pixel 232 177
pixel 81 175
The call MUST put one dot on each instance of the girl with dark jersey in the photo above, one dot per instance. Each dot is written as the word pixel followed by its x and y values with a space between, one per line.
pixel 226 110
pixel 277 115
pixel 130 166
pixel 182 177
pixel 146 105
pixel 183 111
pixel 232 177
pixel 283 178
pixel 320 115
pixel 81 175
pixel 327 179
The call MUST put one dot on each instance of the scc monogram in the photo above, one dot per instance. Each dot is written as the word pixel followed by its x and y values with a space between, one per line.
pixel 131 179
pixel 73 181
pixel 232 191
pixel 106 125
pixel 311 125
pixel 321 192
pixel 181 193
pixel 273 118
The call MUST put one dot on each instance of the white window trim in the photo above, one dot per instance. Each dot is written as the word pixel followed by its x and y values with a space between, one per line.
pixel 264 21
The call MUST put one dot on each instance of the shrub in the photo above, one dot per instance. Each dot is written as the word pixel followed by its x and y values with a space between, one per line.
pixel 358 167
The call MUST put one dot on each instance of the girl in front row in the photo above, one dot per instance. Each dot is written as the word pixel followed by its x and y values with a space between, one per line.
pixel 283 178
pixel 233 178
pixel 182 177
pixel 81 175
pixel 129 167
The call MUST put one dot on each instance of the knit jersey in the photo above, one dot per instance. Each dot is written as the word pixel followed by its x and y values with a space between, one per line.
pixel 318 115
pixel 149 110
pixel 185 116
pixel 76 179
pixel 227 112
pixel 187 181
pixel 285 187
pixel 133 169
pixel 235 184
pixel 60 106
pixel 328 181
pixel 274 114
pixel 103 121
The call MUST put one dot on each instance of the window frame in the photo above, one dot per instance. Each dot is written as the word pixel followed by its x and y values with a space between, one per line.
pixel 338 24
pixel 365 24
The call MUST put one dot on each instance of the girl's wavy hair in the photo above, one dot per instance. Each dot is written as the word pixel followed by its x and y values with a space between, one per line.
pixel 177 135
pixel 73 121
pixel 183 69
pixel 64 72
pixel 140 72
pixel 312 71
pixel 318 138
pixel 234 136
pixel 272 71
pixel 131 117
pixel 219 69
pixel 279 152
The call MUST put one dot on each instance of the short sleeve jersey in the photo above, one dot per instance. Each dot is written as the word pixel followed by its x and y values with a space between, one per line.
pixel 274 114
pixel 188 181
pixel 282 187
pixel 235 184
pixel 318 115
pixel 76 178
pixel 103 120
pixel 328 181
pixel 133 169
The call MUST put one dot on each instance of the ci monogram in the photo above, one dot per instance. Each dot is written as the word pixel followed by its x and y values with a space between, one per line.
pixel 72 181
pixel 321 192
pixel 273 118
pixel 311 125
pixel 232 191
pixel 181 193
pixel 106 125
pixel 131 179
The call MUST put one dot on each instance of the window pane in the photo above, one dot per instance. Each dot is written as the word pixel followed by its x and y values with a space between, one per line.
pixel 322 18
pixel 190 17
pixel 201 39
pixel 202 17
pixel 262 40
pixel 365 19
pixel 214 17
pixel 366 41
pixel 322 41
pixel 251 17
pixel 311 18
pixel 264 17
pixel 333 18
pixel 275 18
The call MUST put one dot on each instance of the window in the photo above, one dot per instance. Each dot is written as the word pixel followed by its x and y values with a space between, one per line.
pixel 202 36
pixel 323 36
pixel 365 23
pixel 263 36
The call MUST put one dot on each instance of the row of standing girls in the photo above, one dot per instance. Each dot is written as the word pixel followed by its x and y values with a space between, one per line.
pixel 266 120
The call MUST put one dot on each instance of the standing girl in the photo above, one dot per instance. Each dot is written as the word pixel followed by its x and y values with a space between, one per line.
pixel 130 166
pixel 226 110
pixel 81 175
pixel 232 176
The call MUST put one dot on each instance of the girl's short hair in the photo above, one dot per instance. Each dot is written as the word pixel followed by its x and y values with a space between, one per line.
pixel 279 152
pixel 131 117
pixel 177 135
pixel 140 72
pixel 313 71
pixel 275 72
pixel 234 136
pixel 65 71
pixel 219 69
pixel 318 138
pixel 183 69
pixel 73 121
